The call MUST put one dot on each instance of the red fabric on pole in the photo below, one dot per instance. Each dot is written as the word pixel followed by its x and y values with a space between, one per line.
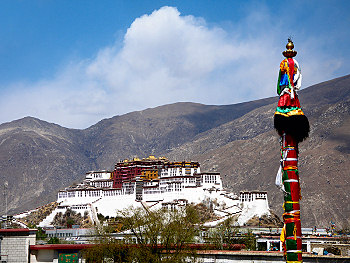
pixel 290 146
pixel 286 101
pixel 291 70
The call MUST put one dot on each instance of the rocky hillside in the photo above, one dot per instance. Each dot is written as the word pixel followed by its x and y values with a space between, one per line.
pixel 39 158
pixel 157 131
pixel 250 160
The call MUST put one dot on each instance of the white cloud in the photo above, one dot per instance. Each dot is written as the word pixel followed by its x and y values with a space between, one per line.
pixel 165 58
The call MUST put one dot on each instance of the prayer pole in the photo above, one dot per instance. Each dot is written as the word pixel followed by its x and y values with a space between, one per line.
pixel 293 127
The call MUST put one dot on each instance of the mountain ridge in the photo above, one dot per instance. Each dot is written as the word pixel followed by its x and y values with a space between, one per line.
pixel 38 158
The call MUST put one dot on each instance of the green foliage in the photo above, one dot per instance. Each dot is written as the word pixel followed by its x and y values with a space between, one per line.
pixel 249 240
pixel 150 236
pixel 109 250
pixel 53 240
pixel 70 222
pixel 170 229
pixel 69 218
pixel 40 234
pixel 30 225
pixel 225 233
pixel 101 218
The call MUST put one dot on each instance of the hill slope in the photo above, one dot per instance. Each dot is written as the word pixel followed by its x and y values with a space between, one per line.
pixel 246 151
pixel 158 130
pixel 39 158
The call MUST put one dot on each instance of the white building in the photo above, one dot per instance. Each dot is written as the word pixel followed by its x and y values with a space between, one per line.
pixel 156 183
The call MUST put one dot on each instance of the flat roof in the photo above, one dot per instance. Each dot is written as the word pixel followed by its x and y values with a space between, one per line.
pixel 61 246
pixel 16 230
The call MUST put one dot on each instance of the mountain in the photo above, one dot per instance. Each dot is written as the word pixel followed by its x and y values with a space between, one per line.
pixel 246 152
pixel 158 130
pixel 38 158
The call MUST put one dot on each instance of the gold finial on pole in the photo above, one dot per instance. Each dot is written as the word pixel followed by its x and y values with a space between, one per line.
pixel 289 53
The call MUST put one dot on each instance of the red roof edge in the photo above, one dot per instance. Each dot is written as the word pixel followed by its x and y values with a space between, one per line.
pixel 61 246
pixel 17 230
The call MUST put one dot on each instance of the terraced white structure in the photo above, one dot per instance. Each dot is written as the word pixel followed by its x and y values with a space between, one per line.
pixel 155 183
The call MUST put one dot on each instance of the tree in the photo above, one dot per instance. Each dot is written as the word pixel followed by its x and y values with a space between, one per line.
pixel 249 240
pixel 161 235
pixel 225 233
pixel 150 236
pixel 40 234
pixel 53 240
pixel 69 218
pixel 108 250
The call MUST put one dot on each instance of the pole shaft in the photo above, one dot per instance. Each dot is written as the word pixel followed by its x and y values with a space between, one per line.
pixel 292 197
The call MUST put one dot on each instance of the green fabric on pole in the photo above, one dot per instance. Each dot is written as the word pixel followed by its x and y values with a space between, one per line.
pixel 292 257
pixel 278 83
pixel 279 109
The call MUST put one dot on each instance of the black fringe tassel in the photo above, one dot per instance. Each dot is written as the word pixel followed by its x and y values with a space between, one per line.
pixel 297 126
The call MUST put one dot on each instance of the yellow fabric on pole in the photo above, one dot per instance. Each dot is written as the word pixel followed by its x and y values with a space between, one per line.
pixel 295 231
pixel 291 113
pixel 283 234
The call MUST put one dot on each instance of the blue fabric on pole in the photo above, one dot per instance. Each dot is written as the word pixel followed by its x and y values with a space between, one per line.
pixel 284 80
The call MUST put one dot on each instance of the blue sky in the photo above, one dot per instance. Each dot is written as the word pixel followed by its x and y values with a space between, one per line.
pixel 76 62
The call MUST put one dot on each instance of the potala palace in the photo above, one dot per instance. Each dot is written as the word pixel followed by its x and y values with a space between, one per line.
pixel 157 183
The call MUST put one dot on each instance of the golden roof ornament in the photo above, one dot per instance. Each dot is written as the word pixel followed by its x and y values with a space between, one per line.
pixel 289 53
